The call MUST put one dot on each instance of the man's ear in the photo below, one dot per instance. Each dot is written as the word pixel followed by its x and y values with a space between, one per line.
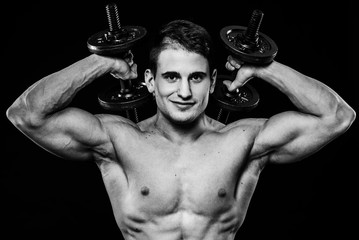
pixel 150 80
pixel 213 81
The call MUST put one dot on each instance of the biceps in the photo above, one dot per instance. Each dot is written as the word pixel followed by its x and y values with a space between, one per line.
pixel 290 137
pixel 71 133
pixel 297 149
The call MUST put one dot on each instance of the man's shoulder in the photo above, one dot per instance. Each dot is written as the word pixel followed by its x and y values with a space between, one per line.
pixel 112 121
pixel 249 125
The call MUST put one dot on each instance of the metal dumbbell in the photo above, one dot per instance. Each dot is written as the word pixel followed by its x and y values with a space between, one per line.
pixel 252 47
pixel 117 41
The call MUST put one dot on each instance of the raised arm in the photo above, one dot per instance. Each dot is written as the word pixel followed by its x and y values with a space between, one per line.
pixel 41 112
pixel 290 136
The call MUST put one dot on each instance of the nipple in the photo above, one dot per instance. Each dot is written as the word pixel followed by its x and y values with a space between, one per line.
pixel 145 191
pixel 222 193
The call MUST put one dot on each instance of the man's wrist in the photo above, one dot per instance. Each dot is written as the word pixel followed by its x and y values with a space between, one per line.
pixel 105 63
pixel 266 71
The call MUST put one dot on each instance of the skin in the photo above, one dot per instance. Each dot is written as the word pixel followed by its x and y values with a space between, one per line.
pixel 179 174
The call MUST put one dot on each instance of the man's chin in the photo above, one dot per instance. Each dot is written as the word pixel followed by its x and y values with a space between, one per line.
pixel 183 118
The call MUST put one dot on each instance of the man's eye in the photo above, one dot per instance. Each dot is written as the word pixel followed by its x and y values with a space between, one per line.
pixel 196 78
pixel 171 77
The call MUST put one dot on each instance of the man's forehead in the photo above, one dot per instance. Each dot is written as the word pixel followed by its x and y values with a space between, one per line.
pixel 180 59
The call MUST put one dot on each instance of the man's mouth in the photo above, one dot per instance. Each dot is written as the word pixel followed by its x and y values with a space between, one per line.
pixel 183 104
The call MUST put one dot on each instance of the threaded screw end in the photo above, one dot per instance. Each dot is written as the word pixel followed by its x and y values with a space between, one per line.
pixel 252 31
pixel 113 17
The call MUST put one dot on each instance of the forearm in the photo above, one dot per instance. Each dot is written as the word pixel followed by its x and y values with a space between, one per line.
pixel 55 91
pixel 307 94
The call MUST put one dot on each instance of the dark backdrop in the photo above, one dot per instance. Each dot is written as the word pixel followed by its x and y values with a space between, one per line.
pixel 44 196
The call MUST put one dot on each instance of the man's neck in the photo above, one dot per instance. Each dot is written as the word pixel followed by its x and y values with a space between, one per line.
pixel 180 133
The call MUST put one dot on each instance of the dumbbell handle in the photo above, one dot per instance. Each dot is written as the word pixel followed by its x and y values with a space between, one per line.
pixel 115 26
pixel 126 86
pixel 250 37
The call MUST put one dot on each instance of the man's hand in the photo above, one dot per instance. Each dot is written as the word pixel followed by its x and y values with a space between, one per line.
pixel 243 75
pixel 125 68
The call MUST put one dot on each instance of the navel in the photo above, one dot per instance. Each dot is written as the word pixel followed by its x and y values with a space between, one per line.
pixel 222 193
pixel 145 191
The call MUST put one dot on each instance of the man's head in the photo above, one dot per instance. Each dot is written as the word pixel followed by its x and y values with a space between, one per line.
pixel 182 72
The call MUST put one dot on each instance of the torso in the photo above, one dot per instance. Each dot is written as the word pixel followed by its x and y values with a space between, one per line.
pixel 197 190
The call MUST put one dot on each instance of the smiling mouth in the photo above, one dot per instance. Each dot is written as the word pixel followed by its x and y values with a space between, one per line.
pixel 183 104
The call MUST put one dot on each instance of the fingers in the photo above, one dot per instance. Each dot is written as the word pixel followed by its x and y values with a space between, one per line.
pixel 227 83
pixel 233 63
pixel 134 71
pixel 243 74
pixel 238 82
pixel 129 58
pixel 125 68
pixel 229 67
pixel 126 72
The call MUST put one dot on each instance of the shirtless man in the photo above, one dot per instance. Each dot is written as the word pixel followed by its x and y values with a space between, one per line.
pixel 193 177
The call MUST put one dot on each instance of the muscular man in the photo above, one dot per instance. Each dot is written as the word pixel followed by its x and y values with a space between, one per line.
pixel 194 177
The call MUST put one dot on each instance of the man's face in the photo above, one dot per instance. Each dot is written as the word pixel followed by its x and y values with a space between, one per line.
pixel 182 84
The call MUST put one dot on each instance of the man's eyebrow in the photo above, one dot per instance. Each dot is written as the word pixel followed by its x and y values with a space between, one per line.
pixel 200 74
pixel 171 73
pixel 178 75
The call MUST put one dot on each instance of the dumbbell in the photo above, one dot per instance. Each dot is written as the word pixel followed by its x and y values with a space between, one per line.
pixel 117 41
pixel 251 47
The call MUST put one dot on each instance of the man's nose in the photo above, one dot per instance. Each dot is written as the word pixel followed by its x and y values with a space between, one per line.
pixel 184 89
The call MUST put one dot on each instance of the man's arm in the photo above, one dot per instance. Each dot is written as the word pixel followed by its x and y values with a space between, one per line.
pixel 41 114
pixel 290 136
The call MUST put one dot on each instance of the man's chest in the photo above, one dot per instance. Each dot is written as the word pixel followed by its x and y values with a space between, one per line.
pixel 198 177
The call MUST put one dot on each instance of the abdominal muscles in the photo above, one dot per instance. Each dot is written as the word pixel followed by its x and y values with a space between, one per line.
pixel 143 216
pixel 180 225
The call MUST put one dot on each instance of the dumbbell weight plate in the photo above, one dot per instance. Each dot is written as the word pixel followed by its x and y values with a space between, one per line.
pixel 108 43
pixel 243 99
pixel 112 99
pixel 263 55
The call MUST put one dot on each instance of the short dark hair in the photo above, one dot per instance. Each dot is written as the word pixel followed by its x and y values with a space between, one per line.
pixel 185 34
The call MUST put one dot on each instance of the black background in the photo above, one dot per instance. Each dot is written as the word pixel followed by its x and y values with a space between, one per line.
pixel 44 196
